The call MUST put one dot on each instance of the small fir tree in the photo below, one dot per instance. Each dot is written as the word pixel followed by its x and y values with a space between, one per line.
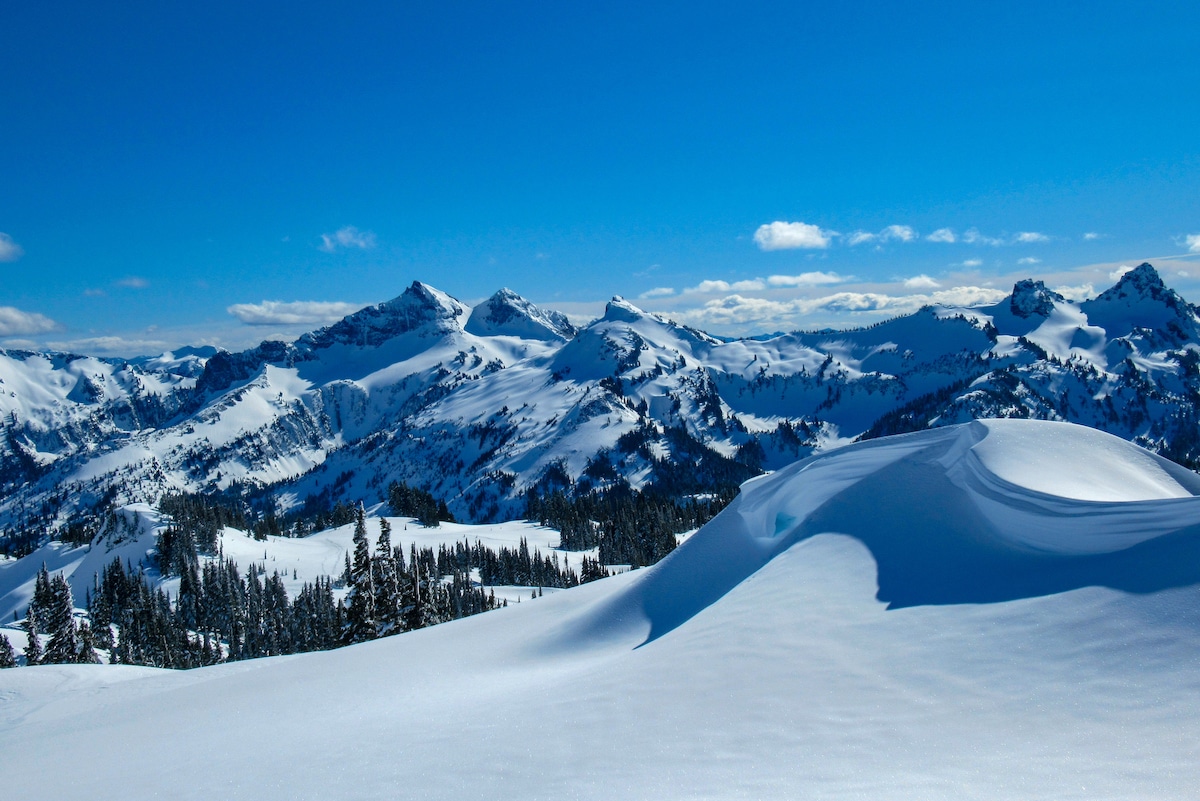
pixel 8 657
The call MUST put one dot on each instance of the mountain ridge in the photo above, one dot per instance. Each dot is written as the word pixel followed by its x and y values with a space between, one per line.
pixel 483 405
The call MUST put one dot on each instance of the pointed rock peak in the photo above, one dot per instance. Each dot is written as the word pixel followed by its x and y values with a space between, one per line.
pixel 1031 297
pixel 431 304
pixel 621 310
pixel 1141 281
pixel 508 314
pixel 419 307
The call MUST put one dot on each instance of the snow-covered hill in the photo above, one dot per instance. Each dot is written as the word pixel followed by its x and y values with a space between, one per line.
pixel 1001 609
pixel 480 405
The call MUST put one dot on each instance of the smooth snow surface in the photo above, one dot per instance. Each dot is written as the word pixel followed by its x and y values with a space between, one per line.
pixel 878 622
pixel 1076 462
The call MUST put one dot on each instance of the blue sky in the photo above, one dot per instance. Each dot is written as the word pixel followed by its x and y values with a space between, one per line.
pixel 230 172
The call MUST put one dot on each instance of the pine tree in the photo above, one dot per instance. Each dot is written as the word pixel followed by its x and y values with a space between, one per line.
pixel 8 657
pixel 360 601
pixel 87 646
pixel 33 649
pixel 63 647
pixel 387 583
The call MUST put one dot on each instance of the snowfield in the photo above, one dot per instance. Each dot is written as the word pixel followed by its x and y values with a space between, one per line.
pixel 1001 609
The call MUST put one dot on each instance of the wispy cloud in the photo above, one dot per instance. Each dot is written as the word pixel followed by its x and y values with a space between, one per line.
pixel 921 282
pixel 657 292
pixel 974 237
pixel 738 310
pixel 9 250
pixel 942 235
pixel 973 263
pixel 1029 260
pixel 347 237
pixel 273 312
pixel 133 282
pixel 1091 235
pixel 16 323
pixel 113 346
pixel 781 235
pixel 1193 243
pixel 808 279
pixel 892 233
pixel 1029 237
pixel 708 287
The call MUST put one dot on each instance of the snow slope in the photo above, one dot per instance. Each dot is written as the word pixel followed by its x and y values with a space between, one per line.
pixel 866 623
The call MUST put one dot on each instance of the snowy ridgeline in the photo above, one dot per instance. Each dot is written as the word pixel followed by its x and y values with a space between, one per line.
pixel 493 565
pixel 482 406
pixel 998 610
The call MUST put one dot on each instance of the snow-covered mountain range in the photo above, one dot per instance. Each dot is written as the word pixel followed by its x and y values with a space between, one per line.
pixel 1002 609
pixel 479 405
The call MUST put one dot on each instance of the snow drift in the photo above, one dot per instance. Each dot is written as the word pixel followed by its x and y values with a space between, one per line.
pixel 1003 609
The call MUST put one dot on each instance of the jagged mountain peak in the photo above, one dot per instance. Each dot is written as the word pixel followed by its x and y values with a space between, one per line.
pixel 1031 297
pixel 419 306
pixel 619 310
pixel 1142 281
pixel 508 314
pixel 1140 300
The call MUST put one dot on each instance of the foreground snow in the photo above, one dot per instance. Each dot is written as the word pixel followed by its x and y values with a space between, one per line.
pixel 877 622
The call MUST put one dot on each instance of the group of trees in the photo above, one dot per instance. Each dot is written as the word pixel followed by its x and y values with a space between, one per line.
pixel 52 612
pixel 629 527
pixel 220 614
pixel 409 501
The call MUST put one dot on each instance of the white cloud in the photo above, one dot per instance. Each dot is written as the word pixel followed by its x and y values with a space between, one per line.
pixel 791 236
pixel 657 292
pixel 14 322
pixel 973 263
pixel 1027 237
pixel 973 237
pixel 1029 260
pixel 739 311
pixel 9 250
pixel 921 282
pixel 807 279
pixel 893 233
pixel 94 293
pixel 708 287
pixel 347 237
pixel 942 235
pixel 112 346
pixel 1090 235
pixel 273 312
pixel 1077 293
pixel 133 282
pixel 1116 274
pixel 898 233
pixel 969 296
pixel 1193 243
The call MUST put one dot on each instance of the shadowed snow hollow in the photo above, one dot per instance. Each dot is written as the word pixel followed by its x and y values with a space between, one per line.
pixel 983 512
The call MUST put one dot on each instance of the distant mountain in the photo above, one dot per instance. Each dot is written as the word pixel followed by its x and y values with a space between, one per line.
pixel 481 405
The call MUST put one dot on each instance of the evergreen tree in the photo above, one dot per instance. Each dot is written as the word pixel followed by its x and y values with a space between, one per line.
pixel 33 649
pixel 87 646
pixel 63 647
pixel 360 601
pixel 387 583
pixel 8 657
